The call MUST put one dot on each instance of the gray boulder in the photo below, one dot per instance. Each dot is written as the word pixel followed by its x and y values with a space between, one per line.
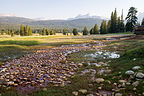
pixel 129 72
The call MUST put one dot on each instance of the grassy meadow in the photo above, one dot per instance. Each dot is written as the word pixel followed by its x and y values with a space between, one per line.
pixel 131 52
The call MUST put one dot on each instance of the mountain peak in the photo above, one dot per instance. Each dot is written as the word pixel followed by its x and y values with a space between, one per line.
pixel 80 16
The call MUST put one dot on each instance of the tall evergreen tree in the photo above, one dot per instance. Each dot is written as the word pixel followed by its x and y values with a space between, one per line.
pixel 118 25
pixel 47 32
pixel 22 30
pixel 64 31
pixel 131 19
pixel 122 25
pixel 26 29
pixel 108 26
pixel 18 32
pixel 75 31
pixel 52 32
pixel 12 32
pixel 142 22
pixel 96 29
pixel 113 22
pixel 29 32
pixel 43 31
pixel 92 31
pixel 115 18
pixel 85 31
pixel 103 27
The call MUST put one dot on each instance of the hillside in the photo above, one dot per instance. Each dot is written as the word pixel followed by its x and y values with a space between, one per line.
pixel 75 23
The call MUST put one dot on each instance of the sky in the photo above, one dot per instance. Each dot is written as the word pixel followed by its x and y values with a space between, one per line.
pixel 64 9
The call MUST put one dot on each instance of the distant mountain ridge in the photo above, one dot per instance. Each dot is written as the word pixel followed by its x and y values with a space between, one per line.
pixel 78 22
pixel 87 16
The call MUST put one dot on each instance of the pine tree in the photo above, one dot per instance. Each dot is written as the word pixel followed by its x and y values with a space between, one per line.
pixel 43 31
pixel 18 32
pixel 103 27
pixel 64 31
pixel 92 31
pixel 22 30
pixel 29 32
pixel 52 32
pixel 122 25
pixel 96 29
pixel 47 32
pixel 142 22
pixel 85 31
pixel 113 22
pixel 108 26
pixel 75 31
pixel 9 32
pixel 26 29
pixel 12 32
pixel 118 25
pixel 131 19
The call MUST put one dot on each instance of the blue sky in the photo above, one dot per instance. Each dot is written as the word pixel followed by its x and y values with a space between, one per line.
pixel 63 9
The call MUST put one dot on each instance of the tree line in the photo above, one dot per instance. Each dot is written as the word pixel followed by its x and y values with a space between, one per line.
pixel 115 24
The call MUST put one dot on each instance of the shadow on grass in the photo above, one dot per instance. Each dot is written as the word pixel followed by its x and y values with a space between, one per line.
pixel 15 42
pixel 12 52
pixel 58 44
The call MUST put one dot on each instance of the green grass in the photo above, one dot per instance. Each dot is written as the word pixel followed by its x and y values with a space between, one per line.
pixel 129 49
pixel 132 54
pixel 16 42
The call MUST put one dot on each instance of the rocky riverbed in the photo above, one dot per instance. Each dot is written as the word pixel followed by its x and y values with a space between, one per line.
pixel 43 68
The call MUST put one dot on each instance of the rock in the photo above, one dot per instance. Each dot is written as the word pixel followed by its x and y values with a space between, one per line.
pixel 118 94
pixel 101 63
pixel 134 89
pixel 136 67
pixel 140 75
pixel 10 83
pixel 107 71
pixel 109 82
pixel 123 85
pixel 44 89
pixel 84 91
pixel 89 95
pixel 75 93
pixel 129 72
pixel 99 80
pixel 63 84
pixel 90 85
pixel 128 83
pixel 115 84
pixel 99 88
pixel 122 81
pixel 119 85
pixel 136 83
pixel 80 65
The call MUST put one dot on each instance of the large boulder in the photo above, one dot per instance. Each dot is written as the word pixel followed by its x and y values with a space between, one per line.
pixel 136 67
pixel 140 75
pixel 129 72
